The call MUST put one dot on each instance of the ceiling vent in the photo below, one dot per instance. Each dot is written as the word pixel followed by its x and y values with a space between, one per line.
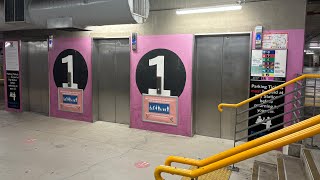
pixel 14 11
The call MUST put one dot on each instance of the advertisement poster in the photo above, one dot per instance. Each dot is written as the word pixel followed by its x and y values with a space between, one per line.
pixel 70 100
pixel 159 109
pixel 12 74
pixel 257 87
pixel 275 41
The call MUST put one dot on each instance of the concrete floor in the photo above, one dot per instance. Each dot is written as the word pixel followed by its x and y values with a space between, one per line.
pixel 36 147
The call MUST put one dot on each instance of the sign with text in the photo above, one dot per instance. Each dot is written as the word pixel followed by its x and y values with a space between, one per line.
pixel 12 73
pixel 275 41
pixel 160 109
pixel 70 100
pixel 269 65
pixel 257 87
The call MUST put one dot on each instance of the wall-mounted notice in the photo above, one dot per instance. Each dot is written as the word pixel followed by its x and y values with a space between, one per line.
pixel 12 74
pixel 275 41
pixel 70 100
pixel 269 64
pixel 256 63
pixel 257 87
pixel 159 109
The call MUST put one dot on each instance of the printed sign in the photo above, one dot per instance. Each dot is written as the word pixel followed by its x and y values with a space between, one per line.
pixel 269 64
pixel 258 87
pixel 275 41
pixel 13 89
pixel 70 100
pixel 12 74
pixel 159 109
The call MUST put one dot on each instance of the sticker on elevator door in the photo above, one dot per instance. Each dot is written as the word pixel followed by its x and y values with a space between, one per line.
pixel 161 72
pixel 70 70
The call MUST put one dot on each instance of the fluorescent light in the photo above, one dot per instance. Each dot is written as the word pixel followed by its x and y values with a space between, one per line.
pixel 310 53
pixel 315 47
pixel 232 7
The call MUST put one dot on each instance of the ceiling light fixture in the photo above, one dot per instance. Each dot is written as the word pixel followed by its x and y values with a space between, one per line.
pixel 222 8
pixel 315 47
pixel 309 53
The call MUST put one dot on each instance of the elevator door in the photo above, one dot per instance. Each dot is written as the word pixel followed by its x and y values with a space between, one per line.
pixel 35 76
pixel 222 75
pixel 113 80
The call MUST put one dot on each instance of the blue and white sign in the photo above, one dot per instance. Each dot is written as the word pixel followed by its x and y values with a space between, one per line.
pixel 159 108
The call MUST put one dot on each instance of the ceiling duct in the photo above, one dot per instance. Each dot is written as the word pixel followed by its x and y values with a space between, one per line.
pixel 78 14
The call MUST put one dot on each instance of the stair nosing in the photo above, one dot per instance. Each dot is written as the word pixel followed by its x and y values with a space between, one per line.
pixel 280 169
pixel 311 164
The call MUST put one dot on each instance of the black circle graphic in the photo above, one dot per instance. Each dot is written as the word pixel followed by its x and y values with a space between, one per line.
pixel 80 69
pixel 174 72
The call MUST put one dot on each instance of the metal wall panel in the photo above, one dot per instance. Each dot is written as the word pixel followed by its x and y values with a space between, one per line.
pixel 221 75
pixel 208 72
pixel 107 100
pixel 35 76
pixel 38 77
pixel 235 78
pixel 25 76
pixel 113 80
pixel 122 62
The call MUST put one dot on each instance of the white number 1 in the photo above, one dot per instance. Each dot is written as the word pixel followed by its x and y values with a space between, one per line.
pixel 159 62
pixel 69 61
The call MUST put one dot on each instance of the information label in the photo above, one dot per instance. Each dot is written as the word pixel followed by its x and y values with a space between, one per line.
pixel 12 74
pixel 70 100
pixel 159 109
pixel 258 87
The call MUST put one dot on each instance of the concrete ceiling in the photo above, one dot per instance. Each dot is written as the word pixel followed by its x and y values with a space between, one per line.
pixel 313 21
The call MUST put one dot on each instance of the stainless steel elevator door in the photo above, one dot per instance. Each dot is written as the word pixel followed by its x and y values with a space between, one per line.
pixel 113 80
pixel 35 76
pixel 208 85
pixel 221 75
pixel 235 78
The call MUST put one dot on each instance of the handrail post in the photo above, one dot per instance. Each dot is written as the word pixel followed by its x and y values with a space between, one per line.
pixel 314 106
pixel 233 167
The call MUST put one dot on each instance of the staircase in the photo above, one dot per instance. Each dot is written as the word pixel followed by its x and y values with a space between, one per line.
pixel 300 164
pixel 301 161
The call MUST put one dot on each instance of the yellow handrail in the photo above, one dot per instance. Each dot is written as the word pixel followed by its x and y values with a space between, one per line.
pixel 297 136
pixel 305 76
pixel 243 147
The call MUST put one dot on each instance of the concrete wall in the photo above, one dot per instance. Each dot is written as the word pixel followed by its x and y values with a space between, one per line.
pixel 274 14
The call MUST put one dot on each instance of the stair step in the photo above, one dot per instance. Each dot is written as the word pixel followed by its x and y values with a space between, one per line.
pixel 264 171
pixel 311 159
pixel 290 168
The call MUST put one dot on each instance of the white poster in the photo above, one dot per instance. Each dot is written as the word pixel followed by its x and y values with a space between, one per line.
pixel 256 63
pixel 280 65
pixel 12 55
pixel 275 41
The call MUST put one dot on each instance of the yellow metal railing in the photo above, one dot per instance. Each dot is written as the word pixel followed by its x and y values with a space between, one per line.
pixel 250 149
pixel 278 143
pixel 305 76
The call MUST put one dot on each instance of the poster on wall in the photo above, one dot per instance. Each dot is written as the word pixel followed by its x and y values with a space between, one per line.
pixel 70 79
pixel 257 87
pixel 70 100
pixel 269 64
pixel 163 110
pixel 161 84
pixel 12 74
pixel 275 41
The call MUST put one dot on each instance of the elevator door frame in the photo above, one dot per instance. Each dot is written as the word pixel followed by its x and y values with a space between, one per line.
pixel 194 73
pixel 25 70
pixel 95 76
